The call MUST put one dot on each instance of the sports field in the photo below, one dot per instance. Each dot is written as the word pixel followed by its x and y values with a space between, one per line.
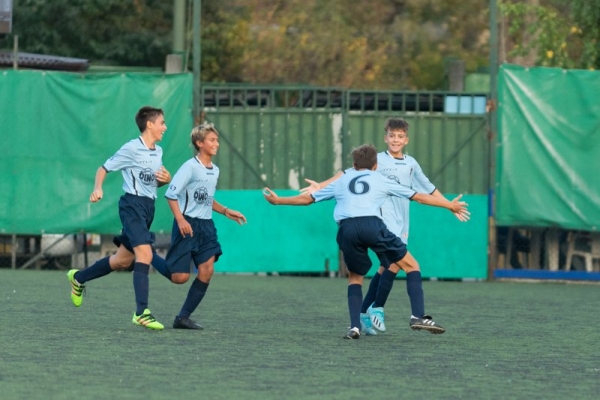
pixel 281 338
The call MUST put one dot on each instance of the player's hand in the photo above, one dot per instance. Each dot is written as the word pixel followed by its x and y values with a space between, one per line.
pixel 184 227
pixel 314 186
pixel 236 216
pixel 96 195
pixel 459 209
pixel 163 176
pixel 270 195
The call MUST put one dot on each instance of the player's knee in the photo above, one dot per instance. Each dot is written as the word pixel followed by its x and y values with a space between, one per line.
pixel 395 268
pixel 206 271
pixel 412 267
pixel 120 263
pixel 179 278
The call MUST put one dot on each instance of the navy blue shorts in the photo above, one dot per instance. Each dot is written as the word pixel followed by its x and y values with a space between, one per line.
pixel 198 248
pixel 137 214
pixel 356 235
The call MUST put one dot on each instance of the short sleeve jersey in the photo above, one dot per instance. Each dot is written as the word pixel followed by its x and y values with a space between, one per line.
pixel 360 193
pixel 194 187
pixel 407 172
pixel 138 165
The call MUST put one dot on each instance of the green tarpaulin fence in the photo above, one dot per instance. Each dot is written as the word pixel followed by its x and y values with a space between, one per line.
pixel 549 148
pixel 60 127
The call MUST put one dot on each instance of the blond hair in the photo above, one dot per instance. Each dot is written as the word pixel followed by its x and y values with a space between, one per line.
pixel 199 133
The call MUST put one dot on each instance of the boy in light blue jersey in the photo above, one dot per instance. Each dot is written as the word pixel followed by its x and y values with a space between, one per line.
pixel 359 194
pixel 194 236
pixel 406 171
pixel 140 163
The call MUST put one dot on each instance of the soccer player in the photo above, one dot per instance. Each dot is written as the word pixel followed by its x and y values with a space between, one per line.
pixel 359 193
pixel 406 171
pixel 194 236
pixel 140 163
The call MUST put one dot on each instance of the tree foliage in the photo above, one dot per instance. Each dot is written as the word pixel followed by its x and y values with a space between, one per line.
pixel 121 32
pixel 377 44
pixel 557 33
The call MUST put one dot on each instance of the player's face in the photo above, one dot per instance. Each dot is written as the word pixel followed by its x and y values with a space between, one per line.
pixel 396 140
pixel 210 145
pixel 157 128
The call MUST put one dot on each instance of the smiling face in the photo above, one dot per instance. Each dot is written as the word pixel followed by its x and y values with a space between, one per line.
pixel 156 129
pixel 396 140
pixel 210 145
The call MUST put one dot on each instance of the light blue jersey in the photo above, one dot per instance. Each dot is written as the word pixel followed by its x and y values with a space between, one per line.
pixel 360 194
pixel 138 165
pixel 194 186
pixel 407 172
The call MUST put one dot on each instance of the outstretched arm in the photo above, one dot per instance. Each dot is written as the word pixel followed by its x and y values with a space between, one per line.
pixel 303 199
pixel 456 206
pixel 228 212
pixel 314 186
pixel 461 216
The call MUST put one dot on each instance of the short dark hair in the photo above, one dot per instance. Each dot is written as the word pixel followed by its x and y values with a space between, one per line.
pixel 146 114
pixel 364 157
pixel 396 124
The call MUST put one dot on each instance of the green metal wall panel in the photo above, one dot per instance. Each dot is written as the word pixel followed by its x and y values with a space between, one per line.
pixel 276 148
pixel 452 150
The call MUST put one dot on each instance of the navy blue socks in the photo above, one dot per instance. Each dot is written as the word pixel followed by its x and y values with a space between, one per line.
pixel 194 297
pixel 371 293
pixel 386 282
pixel 354 302
pixel 141 286
pixel 414 287
pixel 96 270
pixel 160 265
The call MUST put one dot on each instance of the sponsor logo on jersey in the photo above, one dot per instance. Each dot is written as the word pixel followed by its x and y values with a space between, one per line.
pixel 147 177
pixel 201 196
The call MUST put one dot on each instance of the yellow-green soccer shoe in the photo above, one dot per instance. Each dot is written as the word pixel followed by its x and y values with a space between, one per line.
pixel 77 289
pixel 147 320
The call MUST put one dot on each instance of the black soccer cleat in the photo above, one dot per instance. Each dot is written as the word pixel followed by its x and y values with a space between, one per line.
pixel 353 333
pixel 185 323
pixel 426 323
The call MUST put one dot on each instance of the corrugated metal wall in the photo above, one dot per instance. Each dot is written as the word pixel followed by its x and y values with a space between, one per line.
pixel 277 136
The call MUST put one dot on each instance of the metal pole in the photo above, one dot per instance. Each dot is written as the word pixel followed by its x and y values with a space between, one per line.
pixel 197 58
pixel 178 26
pixel 492 139
pixel 13 251
pixel 16 52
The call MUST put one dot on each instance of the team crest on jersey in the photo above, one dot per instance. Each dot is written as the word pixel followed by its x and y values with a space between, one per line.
pixel 397 180
pixel 147 177
pixel 201 196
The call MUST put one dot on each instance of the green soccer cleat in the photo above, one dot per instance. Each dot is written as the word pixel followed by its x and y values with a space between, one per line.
pixel 147 320
pixel 77 289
